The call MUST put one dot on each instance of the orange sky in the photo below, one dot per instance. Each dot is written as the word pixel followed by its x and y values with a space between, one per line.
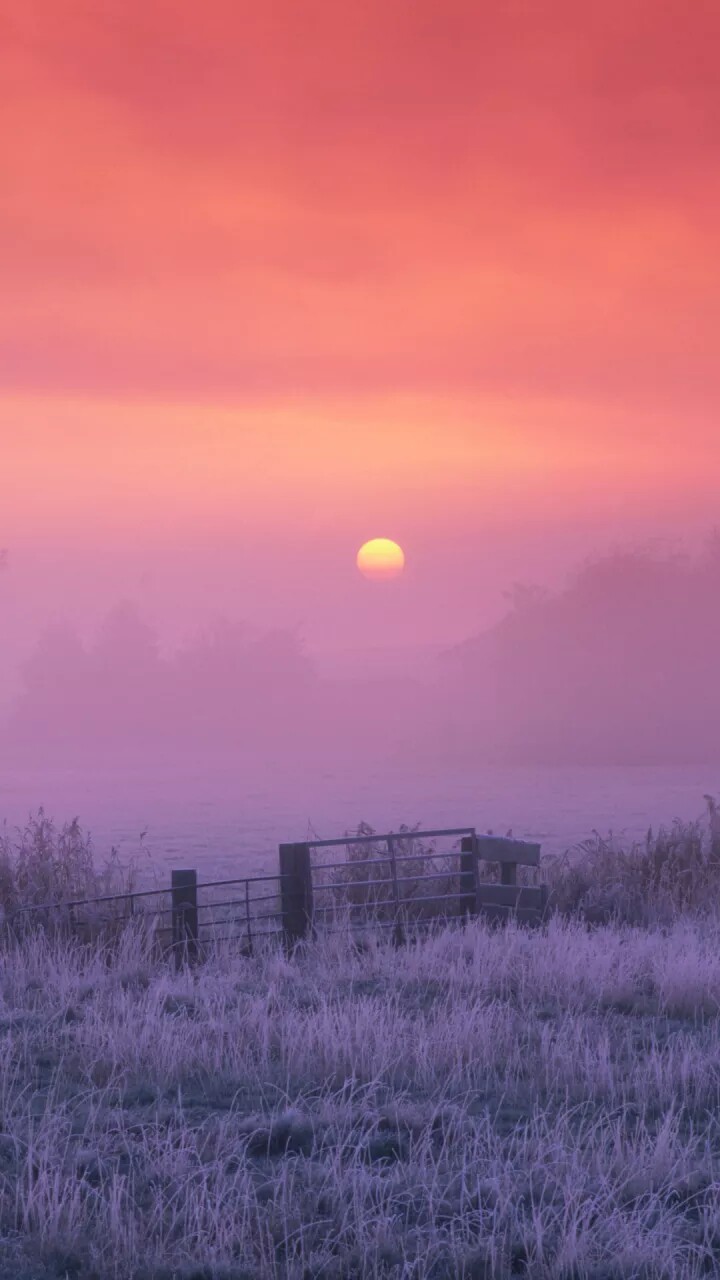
pixel 375 267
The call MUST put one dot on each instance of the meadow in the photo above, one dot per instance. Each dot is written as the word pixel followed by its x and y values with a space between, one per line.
pixel 483 1102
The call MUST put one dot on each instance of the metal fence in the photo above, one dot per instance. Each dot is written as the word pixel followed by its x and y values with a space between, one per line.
pixel 188 918
pixel 405 887
pixel 411 883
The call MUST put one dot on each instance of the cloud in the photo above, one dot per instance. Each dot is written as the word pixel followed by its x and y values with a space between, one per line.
pixel 236 199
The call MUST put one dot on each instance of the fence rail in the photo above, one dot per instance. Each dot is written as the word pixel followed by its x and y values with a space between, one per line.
pixel 187 920
pixel 392 835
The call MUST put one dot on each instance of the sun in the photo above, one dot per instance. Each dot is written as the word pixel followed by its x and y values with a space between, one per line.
pixel 381 558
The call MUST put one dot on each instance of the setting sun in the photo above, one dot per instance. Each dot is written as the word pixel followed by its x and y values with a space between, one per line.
pixel 380 558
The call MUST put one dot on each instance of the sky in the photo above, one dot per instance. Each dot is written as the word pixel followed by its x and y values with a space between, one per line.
pixel 278 278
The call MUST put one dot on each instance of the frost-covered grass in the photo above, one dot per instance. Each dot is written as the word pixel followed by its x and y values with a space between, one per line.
pixel 673 871
pixel 480 1103
pixel 42 863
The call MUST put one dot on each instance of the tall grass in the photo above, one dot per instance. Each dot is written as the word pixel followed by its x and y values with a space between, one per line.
pixel 672 872
pixel 42 864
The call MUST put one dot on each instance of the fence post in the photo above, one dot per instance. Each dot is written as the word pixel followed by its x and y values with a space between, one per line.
pixel 184 916
pixel 296 893
pixel 247 918
pixel 468 871
pixel 398 934
pixel 508 872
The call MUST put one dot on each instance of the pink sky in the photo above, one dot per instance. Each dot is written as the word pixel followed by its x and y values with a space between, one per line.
pixel 278 278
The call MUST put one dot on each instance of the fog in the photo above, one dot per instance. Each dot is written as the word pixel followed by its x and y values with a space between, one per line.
pixel 616 665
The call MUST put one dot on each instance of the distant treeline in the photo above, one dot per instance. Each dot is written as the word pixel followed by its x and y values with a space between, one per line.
pixel 622 665
pixel 229 687
pixel 122 687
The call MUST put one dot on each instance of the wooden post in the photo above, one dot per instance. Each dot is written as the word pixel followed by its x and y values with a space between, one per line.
pixel 247 917
pixel 508 875
pixel 508 872
pixel 398 935
pixel 468 871
pixel 296 893
pixel 184 916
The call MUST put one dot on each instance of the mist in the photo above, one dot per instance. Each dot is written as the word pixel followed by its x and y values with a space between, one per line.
pixel 617 665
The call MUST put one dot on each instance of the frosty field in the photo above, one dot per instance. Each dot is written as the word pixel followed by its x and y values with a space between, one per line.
pixel 479 1103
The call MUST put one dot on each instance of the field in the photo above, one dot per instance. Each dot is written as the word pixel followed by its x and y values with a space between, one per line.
pixel 479 1103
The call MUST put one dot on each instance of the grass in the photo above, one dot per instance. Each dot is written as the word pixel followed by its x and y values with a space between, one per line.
pixel 480 1103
